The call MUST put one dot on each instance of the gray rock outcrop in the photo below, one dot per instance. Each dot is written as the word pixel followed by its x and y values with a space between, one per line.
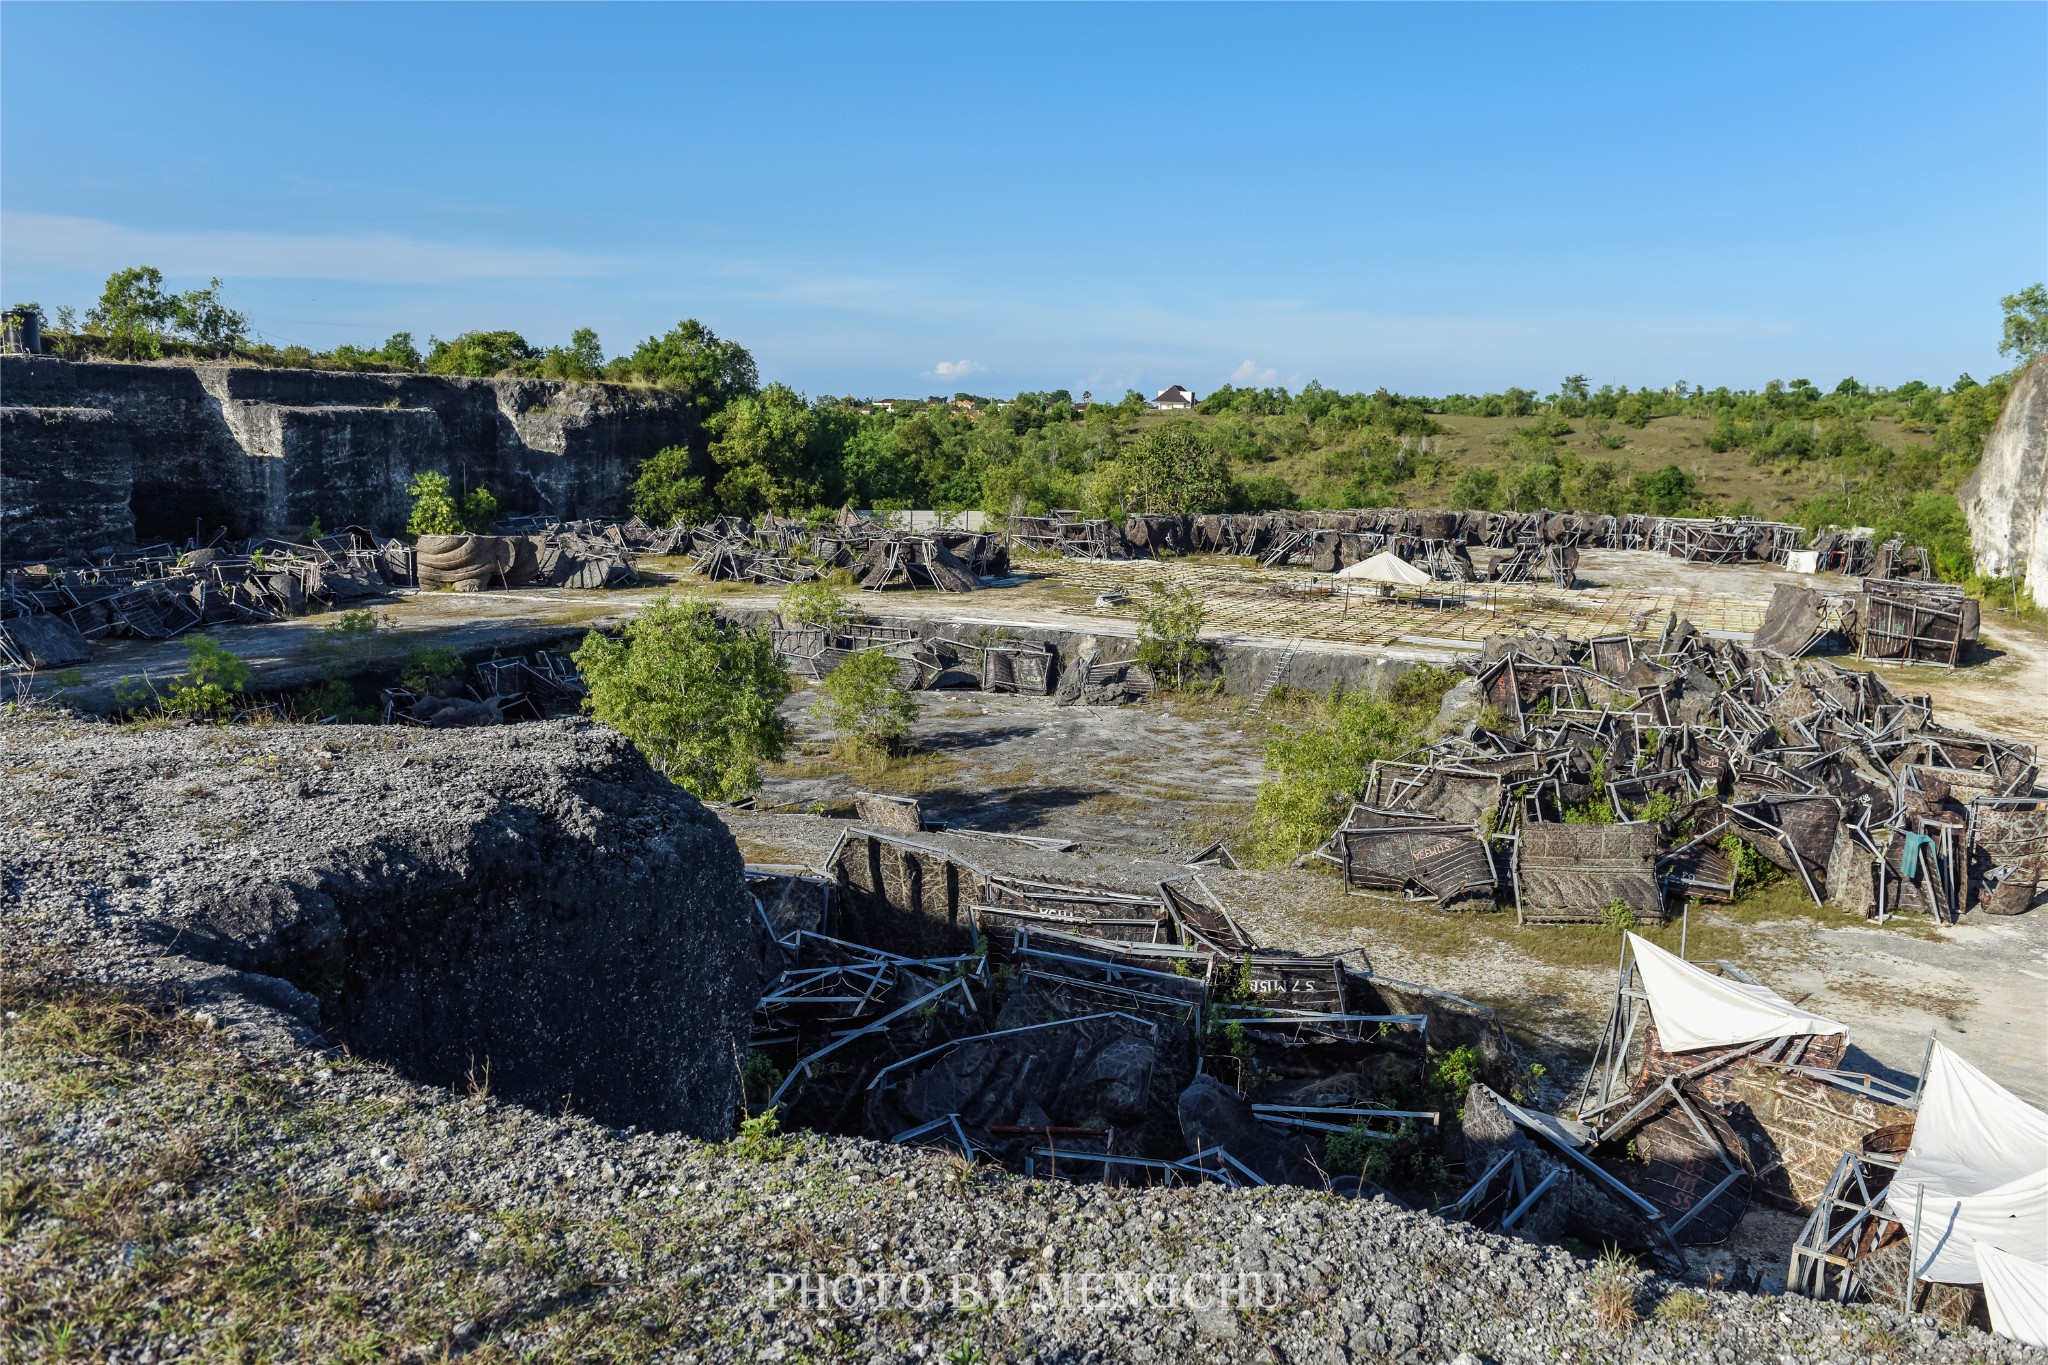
pixel 530 908
pixel 100 453
pixel 2006 499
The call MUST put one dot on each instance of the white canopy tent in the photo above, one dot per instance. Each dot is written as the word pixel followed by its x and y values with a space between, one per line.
pixel 1696 1009
pixel 1386 567
pixel 1972 1192
pixel 2016 1292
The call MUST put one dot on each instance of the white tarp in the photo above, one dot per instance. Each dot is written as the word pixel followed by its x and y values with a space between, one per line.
pixel 1695 1008
pixel 1977 1169
pixel 1385 567
pixel 2016 1292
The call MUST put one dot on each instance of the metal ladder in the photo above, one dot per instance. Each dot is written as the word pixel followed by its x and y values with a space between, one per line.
pixel 1273 675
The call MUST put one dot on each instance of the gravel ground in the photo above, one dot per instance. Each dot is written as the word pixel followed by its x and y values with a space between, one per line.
pixel 190 1172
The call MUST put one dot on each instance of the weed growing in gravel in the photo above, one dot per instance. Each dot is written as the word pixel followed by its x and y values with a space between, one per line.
pixel 759 1141
pixel 1614 1294
pixel 1683 1305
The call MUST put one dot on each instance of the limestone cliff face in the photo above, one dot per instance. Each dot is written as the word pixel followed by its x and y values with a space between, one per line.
pixel 100 453
pixel 2006 500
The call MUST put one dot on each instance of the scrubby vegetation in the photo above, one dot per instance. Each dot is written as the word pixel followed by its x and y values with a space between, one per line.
pixel 697 697
pixel 1170 634
pixel 1315 767
pixel 866 702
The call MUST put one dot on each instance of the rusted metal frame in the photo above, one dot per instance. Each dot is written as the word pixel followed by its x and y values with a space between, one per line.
pixel 1175 1004
pixel 1113 969
pixel 1295 1115
pixel 1476 1193
pixel 1550 1178
pixel 1650 1212
pixel 1616 1038
pixel 1786 841
pixel 950 1043
pixel 804 1064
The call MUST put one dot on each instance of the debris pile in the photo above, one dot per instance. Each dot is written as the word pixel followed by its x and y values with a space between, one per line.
pixel 786 550
pixel 923 663
pixel 1539 546
pixel 49 613
pixel 1607 782
pixel 978 992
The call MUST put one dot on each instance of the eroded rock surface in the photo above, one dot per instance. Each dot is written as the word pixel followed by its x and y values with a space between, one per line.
pixel 2007 498
pixel 530 908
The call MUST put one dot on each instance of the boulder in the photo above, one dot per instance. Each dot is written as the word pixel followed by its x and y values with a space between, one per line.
pixel 532 905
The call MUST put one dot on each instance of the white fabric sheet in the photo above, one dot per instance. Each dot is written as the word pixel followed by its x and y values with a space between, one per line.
pixel 1977 1170
pixel 2016 1291
pixel 1385 567
pixel 1695 1008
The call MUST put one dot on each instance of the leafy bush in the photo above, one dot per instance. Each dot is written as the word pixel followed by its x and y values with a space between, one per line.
pixel 758 1139
pixel 1169 633
pixel 432 670
pixel 213 683
pixel 665 492
pixel 1619 916
pixel 479 355
pixel 1356 1151
pixel 1315 770
pixel 697 697
pixel 1453 1073
pixel 1752 869
pixel 866 702
pixel 816 603
pixel 436 513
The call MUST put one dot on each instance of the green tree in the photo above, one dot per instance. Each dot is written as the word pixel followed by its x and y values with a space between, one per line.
pixel 2026 323
pixel 479 510
pixel 399 352
pixel 1173 469
pixel 582 358
pixel 205 319
pixel 816 603
pixel 1170 633
pixel 698 698
pixel 133 313
pixel 1667 491
pixel 213 682
pixel 479 355
pixel 771 453
pixel 691 357
pixel 434 512
pixel 666 492
pixel 1476 489
pixel 866 702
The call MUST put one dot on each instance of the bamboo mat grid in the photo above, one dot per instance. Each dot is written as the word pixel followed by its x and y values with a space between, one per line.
pixel 1240 597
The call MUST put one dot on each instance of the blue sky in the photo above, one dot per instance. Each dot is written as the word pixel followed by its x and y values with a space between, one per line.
pixel 920 199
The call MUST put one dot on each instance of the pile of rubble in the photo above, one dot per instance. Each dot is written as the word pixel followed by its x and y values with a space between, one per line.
pixel 1609 781
pixel 923 664
pixel 785 550
pixel 967 990
pixel 1538 546
pixel 50 613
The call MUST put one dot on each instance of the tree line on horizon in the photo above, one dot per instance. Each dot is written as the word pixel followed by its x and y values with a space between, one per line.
pixel 767 448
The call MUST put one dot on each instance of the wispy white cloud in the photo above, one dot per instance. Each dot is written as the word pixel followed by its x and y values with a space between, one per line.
pixel 1250 373
pixel 53 240
pixel 956 369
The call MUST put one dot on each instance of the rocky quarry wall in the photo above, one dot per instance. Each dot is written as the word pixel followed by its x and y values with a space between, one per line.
pixel 2006 500
pixel 104 454
pixel 530 909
